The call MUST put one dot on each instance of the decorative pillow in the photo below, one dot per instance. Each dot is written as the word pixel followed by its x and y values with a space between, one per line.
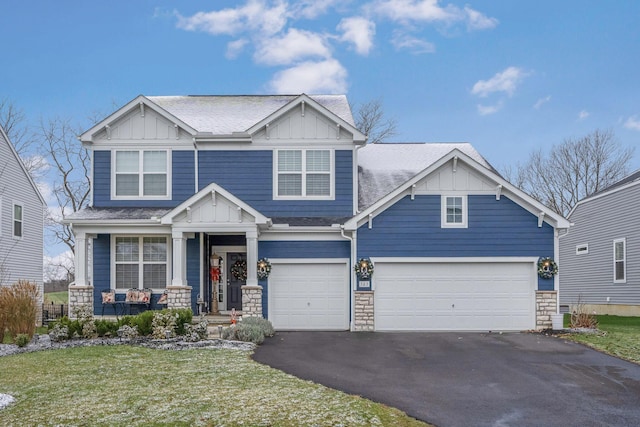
pixel 143 296
pixel 132 295
pixel 108 297
pixel 163 298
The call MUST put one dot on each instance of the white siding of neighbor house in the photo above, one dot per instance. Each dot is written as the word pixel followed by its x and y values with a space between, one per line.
pixel 597 223
pixel 22 258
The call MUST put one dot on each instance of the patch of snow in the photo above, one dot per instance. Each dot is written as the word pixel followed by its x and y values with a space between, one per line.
pixel 6 400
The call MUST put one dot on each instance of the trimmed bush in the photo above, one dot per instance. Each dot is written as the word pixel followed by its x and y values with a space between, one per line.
pixel 185 317
pixel 264 325
pixel 22 340
pixel 250 329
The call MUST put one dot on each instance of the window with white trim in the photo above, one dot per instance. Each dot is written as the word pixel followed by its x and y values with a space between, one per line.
pixel 620 261
pixel 582 249
pixel 18 215
pixel 140 262
pixel 304 174
pixel 141 174
pixel 454 211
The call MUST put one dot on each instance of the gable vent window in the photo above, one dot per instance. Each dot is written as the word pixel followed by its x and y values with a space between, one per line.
pixel 141 174
pixel 304 174
pixel 582 249
pixel 619 261
pixel 454 212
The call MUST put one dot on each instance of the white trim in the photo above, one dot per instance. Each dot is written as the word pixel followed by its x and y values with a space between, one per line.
pixel 309 260
pixel 303 172
pixel 295 235
pixel 582 249
pixel 5 137
pixel 604 194
pixel 140 195
pixel 443 211
pixel 140 262
pixel 13 220
pixel 441 260
pixel 624 260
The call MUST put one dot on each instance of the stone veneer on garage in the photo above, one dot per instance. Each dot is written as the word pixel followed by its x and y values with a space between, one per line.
pixel 363 321
pixel 546 305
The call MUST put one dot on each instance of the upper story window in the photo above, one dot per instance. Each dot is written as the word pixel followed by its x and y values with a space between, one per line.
pixel 141 262
pixel 620 261
pixel 303 174
pixel 17 220
pixel 454 211
pixel 140 174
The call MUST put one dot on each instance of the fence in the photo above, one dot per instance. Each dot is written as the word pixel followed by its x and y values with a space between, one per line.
pixel 54 311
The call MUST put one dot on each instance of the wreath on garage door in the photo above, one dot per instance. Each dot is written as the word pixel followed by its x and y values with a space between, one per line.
pixel 547 268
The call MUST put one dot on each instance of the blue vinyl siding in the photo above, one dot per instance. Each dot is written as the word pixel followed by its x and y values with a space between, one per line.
pixel 497 228
pixel 249 176
pixel 193 270
pixel 101 271
pixel 182 185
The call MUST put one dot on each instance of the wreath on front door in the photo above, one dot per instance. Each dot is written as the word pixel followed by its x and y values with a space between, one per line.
pixel 547 268
pixel 239 270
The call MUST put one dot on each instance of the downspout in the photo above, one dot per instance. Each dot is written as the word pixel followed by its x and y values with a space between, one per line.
pixel 195 165
pixel 556 247
pixel 352 274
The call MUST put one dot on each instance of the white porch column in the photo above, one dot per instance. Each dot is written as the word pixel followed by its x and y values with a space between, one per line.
pixel 252 258
pixel 80 259
pixel 179 259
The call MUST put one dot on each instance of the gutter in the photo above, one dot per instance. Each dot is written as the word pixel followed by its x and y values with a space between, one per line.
pixel 352 274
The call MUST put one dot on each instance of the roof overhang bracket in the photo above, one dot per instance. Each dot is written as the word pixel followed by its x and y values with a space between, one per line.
pixel 540 219
pixel 177 129
pixel 141 109
pixel 189 214
pixel 498 191
pixel 266 130
pixel 455 163
pixel 108 129
pixel 239 214
pixel 302 104
pixel 413 192
pixel 213 197
pixel 370 221
pixel 338 133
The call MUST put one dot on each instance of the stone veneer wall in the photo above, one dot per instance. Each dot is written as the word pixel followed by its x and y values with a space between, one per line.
pixel 251 301
pixel 546 305
pixel 363 321
pixel 80 296
pixel 178 296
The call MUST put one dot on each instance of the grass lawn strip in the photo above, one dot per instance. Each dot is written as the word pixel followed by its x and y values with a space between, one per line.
pixel 621 337
pixel 128 385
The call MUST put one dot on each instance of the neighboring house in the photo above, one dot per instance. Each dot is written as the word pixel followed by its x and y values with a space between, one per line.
pixel 21 222
pixel 601 253
pixel 190 192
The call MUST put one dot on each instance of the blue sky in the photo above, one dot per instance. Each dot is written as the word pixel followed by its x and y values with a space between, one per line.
pixel 505 76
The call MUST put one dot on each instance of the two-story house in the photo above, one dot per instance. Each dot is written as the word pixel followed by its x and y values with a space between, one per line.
pixel 21 222
pixel 271 205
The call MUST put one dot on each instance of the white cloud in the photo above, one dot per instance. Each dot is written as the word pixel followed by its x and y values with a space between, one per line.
pixel 478 21
pixel 359 31
pixel 485 110
pixel 293 46
pixel 540 102
pixel 416 10
pixel 583 114
pixel 632 123
pixel 311 9
pixel 310 77
pixel 414 45
pixel 255 15
pixel 505 81
pixel 235 48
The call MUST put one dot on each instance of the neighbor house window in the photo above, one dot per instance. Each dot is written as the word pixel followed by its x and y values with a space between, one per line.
pixel 17 220
pixel 303 174
pixel 620 261
pixel 141 174
pixel 582 249
pixel 454 211
pixel 141 262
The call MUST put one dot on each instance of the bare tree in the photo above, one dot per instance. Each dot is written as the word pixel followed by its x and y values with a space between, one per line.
pixel 565 174
pixel 14 123
pixel 71 166
pixel 371 121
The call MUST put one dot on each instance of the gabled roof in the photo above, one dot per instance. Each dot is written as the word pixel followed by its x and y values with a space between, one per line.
pixel 5 137
pixel 626 182
pixel 383 167
pixel 508 189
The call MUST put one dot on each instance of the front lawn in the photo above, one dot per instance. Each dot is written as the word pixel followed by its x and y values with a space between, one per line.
pixel 621 338
pixel 127 385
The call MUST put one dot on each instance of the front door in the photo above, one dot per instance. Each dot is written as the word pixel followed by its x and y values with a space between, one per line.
pixel 236 278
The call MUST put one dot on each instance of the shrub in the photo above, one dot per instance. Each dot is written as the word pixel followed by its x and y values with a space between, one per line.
pixel 164 324
pixel 59 332
pixel 185 317
pixel 250 333
pixel 196 332
pixel 144 322
pixel 22 340
pixel 581 318
pixel 106 328
pixel 264 324
pixel 18 309
pixel 127 331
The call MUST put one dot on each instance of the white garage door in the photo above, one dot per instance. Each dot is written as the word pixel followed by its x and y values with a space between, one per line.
pixel 454 296
pixel 309 296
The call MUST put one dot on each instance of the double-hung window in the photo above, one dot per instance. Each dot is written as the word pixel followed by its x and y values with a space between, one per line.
pixel 303 174
pixel 454 211
pixel 141 174
pixel 620 261
pixel 17 221
pixel 141 262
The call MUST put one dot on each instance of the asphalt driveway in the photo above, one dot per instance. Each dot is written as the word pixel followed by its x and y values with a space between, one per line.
pixel 467 379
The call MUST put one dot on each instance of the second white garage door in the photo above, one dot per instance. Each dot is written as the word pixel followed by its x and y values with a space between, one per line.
pixel 454 296
pixel 309 295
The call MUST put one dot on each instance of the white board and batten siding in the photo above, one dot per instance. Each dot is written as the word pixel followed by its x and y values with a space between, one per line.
pixel 309 294
pixel 471 295
pixel 597 223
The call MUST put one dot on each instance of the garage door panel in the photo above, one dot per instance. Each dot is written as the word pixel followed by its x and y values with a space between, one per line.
pixel 454 296
pixel 309 296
